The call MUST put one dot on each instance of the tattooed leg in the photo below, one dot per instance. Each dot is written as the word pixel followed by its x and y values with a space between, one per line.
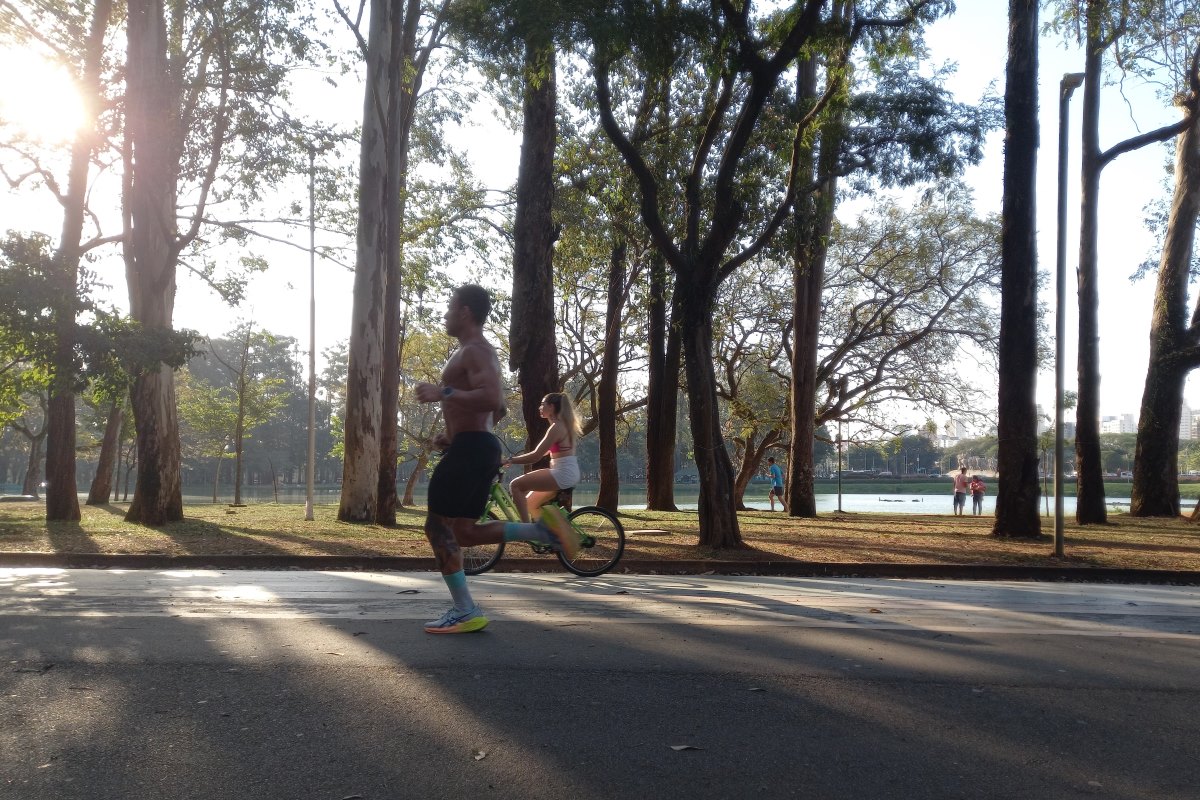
pixel 441 538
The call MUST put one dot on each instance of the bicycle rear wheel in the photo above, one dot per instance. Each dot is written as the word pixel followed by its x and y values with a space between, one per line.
pixel 481 557
pixel 603 542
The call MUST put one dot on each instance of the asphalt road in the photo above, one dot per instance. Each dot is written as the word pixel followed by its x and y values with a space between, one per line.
pixel 237 684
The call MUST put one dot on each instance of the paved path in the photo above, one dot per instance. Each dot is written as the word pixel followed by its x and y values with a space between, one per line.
pixel 200 684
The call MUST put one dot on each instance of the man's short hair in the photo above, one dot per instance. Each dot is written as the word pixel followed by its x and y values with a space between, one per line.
pixel 477 299
pixel 770 460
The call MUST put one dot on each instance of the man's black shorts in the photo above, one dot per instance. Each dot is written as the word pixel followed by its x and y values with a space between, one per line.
pixel 460 482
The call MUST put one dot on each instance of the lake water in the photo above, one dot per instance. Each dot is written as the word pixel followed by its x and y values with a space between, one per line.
pixel 634 498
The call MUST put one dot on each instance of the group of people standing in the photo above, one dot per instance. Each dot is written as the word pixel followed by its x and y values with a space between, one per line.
pixel 964 486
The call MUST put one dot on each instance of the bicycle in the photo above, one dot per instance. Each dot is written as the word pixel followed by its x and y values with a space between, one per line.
pixel 601 535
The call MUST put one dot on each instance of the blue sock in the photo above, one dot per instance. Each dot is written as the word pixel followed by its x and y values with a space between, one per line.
pixel 457 583
pixel 526 532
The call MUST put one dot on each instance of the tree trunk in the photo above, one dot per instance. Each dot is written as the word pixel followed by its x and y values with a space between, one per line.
pixel 532 350
pixel 110 447
pixel 150 257
pixel 1017 454
pixel 422 460
pixel 814 222
pixel 1089 468
pixel 62 498
pixel 717 511
pixel 1173 344
pixel 157 494
pixel 239 435
pixel 1155 490
pixel 405 81
pixel 662 394
pixel 217 475
pixel 752 456
pixel 31 484
pixel 364 403
pixel 606 401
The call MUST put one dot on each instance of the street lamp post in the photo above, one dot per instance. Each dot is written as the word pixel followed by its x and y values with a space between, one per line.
pixel 839 449
pixel 1070 82
pixel 312 335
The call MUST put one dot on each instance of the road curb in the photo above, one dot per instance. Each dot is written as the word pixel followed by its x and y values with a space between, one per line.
pixel 791 569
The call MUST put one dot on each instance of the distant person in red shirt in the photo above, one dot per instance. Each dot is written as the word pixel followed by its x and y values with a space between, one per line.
pixel 960 492
pixel 977 492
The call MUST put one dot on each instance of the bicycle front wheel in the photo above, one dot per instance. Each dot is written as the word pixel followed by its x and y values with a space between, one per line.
pixel 603 542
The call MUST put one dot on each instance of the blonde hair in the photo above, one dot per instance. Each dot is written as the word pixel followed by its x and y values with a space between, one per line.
pixel 566 413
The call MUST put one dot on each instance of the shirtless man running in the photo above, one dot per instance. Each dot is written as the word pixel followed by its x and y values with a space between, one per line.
pixel 472 401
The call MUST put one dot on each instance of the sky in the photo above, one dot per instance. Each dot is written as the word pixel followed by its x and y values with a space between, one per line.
pixel 975 38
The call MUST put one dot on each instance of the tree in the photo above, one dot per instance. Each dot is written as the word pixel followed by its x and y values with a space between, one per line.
pixel 724 220
pixel 908 291
pixel 396 67
pixel 1174 340
pixel 256 396
pixel 208 418
pixel 1127 29
pixel 1017 491
pixel 205 109
pixel 102 486
pixel 889 125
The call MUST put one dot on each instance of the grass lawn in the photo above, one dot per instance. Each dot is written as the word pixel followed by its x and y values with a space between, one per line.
pixel 269 529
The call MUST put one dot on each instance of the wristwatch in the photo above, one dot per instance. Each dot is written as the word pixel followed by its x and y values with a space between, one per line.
pixel 447 391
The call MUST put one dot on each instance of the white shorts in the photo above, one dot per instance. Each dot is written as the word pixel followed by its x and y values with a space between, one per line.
pixel 565 471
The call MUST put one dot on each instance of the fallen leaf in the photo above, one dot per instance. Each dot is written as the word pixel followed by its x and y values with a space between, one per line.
pixel 331 653
pixel 875 611
pixel 479 755
pixel 679 747
pixel 409 591
pixel 756 689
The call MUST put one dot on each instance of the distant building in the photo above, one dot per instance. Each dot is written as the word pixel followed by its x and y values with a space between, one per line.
pixel 1122 424
pixel 1045 421
pixel 1187 424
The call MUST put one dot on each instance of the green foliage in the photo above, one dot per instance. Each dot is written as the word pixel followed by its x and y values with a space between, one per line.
pixel 107 349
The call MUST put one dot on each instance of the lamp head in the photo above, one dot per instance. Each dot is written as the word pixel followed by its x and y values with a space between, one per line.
pixel 1071 81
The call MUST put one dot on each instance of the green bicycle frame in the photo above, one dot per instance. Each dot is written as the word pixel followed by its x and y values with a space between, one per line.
pixel 502 500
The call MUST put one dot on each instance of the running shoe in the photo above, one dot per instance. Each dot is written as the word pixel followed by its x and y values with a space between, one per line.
pixel 455 621
pixel 565 538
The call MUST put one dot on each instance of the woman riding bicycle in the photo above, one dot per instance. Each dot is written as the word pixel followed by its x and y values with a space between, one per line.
pixel 535 489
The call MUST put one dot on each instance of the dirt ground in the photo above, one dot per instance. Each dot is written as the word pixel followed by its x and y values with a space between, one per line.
pixel 833 538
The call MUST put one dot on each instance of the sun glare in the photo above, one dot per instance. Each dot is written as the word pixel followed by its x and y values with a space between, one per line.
pixel 38 98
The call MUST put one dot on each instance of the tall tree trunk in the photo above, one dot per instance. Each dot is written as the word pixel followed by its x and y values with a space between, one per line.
pixel 606 401
pixel 1017 455
pixel 1089 468
pixel 150 256
pixel 1174 346
pixel 110 447
pixel 532 350
pixel 662 393
pixel 62 499
pixel 717 509
pixel 364 378
pixel 406 81
pixel 814 222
